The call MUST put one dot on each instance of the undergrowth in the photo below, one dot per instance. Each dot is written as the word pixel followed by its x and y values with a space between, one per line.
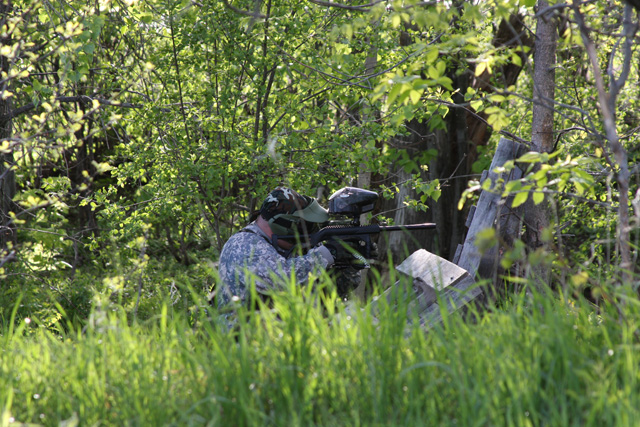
pixel 539 360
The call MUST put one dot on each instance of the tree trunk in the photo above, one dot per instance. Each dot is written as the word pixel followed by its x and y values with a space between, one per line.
pixel 456 153
pixel 544 79
pixel 401 245
pixel 537 217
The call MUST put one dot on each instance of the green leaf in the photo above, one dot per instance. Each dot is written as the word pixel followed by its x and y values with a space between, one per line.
pixel 348 31
pixel 579 279
pixel 512 186
pixel 396 20
pixel 530 157
pixel 519 199
pixel 486 239
pixel 446 82
pixel 147 18
pixel 538 197
pixel 515 58
pixel 415 96
pixel 476 105
pixel 393 93
pixel 542 173
pixel 432 55
pixel 486 184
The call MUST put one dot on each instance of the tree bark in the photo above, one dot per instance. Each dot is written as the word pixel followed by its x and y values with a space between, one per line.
pixel 538 217
pixel 544 80
pixel 457 152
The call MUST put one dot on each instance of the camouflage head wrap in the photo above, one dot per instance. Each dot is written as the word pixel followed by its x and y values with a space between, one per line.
pixel 282 201
pixel 284 208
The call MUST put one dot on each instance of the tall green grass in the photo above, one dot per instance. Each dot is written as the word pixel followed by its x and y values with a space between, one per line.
pixel 539 360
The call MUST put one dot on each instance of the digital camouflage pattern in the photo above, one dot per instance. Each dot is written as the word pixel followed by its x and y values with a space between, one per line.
pixel 283 201
pixel 249 256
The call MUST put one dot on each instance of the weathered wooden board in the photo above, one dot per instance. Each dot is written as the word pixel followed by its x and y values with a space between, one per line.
pixel 434 276
pixel 453 299
pixel 489 204
pixel 436 272
pixel 430 274
pixel 438 285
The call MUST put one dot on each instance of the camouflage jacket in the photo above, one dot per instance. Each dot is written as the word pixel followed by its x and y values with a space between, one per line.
pixel 249 255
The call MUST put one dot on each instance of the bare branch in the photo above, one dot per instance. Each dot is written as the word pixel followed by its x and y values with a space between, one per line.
pixel 629 29
pixel 358 8
pixel 10 257
pixel 420 4
pixel 367 7
pixel 254 14
pixel 83 99
pixel 607 106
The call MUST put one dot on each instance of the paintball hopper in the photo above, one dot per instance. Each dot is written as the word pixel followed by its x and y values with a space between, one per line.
pixel 351 201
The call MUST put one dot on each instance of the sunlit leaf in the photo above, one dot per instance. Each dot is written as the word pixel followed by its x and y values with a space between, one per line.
pixel 476 105
pixel 480 68
pixel 538 197
pixel 519 199
pixel 415 96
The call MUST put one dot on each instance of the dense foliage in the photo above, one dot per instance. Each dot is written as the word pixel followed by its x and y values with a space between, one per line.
pixel 140 135
pixel 137 135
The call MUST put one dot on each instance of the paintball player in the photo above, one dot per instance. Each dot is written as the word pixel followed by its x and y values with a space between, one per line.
pixel 251 254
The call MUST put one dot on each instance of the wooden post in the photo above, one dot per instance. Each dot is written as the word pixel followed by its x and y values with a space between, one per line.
pixel 430 276
pixel 492 211
pixel 489 204
pixel 439 285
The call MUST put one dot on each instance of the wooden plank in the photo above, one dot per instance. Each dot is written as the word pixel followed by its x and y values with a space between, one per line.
pixel 456 256
pixel 453 298
pixel 401 292
pixel 472 212
pixel 431 274
pixel 429 313
pixel 487 207
pixel 508 225
pixel 436 272
pixel 426 275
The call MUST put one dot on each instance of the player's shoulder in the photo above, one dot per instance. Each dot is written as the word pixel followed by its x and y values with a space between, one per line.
pixel 249 237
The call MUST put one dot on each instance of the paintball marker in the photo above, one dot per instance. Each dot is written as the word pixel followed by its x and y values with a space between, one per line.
pixel 345 206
